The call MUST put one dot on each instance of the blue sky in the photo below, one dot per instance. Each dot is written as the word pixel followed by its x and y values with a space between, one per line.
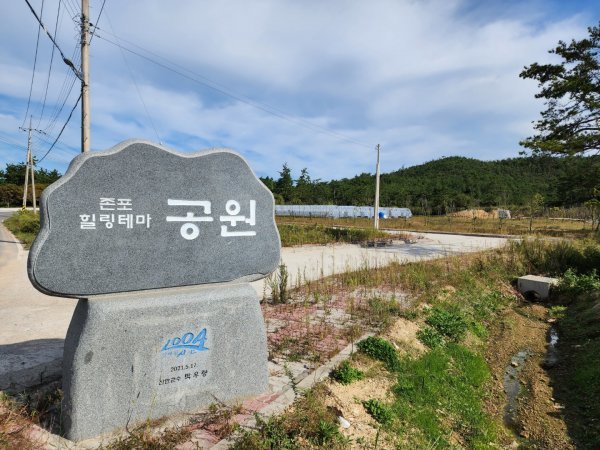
pixel 315 84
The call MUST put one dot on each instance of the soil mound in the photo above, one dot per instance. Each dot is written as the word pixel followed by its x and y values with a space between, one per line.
pixel 475 213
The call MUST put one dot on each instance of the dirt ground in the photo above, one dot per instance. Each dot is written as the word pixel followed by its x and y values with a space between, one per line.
pixel 475 213
pixel 347 399
pixel 538 422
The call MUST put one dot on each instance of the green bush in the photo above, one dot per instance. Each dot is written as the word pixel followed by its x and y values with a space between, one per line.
pixel 346 374
pixel 380 349
pixel 573 283
pixel 448 321
pixel 379 411
pixel 553 258
pixel 24 221
pixel 430 337
pixel 25 225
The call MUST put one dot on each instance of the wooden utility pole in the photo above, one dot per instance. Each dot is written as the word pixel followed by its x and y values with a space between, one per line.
pixel 85 77
pixel 28 167
pixel 33 194
pixel 376 216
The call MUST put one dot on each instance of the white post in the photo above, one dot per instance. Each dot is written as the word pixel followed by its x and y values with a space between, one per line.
pixel 376 216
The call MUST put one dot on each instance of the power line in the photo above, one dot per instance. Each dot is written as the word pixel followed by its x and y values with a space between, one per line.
pixel 134 82
pixel 97 21
pixel 11 143
pixel 223 90
pixel 61 131
pixel 49 67
pixel 64 93
pixel 67 61
pixel 37 44
pixel 58 110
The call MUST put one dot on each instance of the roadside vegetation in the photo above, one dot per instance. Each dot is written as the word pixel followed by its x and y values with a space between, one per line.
pixel 467 223
pixel 25 225
pixel 450 395
pixel 439 384
pixel 318 234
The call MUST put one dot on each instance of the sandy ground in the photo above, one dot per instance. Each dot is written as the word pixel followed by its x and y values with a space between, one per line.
pixel 30 315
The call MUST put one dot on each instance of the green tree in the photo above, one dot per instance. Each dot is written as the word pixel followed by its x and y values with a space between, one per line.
pixel 593 206
pixel 304 187
pixel 534 205
pixel 268 182
pixel 570 124
pixel 284 186
pixel 10 194
pixel 15 174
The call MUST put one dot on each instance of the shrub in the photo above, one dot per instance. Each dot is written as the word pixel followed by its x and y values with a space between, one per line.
pixel 573 283
pixel 380 349
pixel 25 225
pixel 430 337
pixel 278 282
pixel 379 411
pixel 382 311
pixel 346 374
pixel 449 322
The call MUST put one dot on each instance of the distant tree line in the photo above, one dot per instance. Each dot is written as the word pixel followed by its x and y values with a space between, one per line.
pixel 453 183
pixel 12 180
pixel 438 187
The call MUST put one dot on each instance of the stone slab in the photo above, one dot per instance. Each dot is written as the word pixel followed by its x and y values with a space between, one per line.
pixel 534 283
pixel 133 357
pixel 24 365
pixel 140 216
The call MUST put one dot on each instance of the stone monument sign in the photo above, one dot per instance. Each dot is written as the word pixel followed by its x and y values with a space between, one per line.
pixel 159 247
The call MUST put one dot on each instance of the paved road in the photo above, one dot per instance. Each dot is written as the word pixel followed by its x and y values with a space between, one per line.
pixel 26 313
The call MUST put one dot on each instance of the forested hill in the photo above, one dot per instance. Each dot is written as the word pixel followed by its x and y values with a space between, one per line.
pixel 454 183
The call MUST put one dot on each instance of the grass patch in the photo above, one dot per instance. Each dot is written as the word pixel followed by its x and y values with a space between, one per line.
pixel 25 225
pixel 144 438
pixel 441 392
pixel 318 234
pixel 309 424
pixel 380 349
pixel 346 374
pixel 430 337
pixel 379 411
pixel 578 377
pixel 448 321
pixel 541 225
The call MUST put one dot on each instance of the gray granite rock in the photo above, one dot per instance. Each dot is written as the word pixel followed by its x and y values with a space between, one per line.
pixel 140 216
pixel 138 356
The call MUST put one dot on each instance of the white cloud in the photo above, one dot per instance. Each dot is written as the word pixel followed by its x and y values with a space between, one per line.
pixel 423 78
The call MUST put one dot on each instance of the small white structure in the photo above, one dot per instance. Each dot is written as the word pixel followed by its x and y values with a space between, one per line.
pixel 539 285
pixel 504 214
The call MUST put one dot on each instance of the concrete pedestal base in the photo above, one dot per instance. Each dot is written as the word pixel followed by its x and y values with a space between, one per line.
pixel 133 357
